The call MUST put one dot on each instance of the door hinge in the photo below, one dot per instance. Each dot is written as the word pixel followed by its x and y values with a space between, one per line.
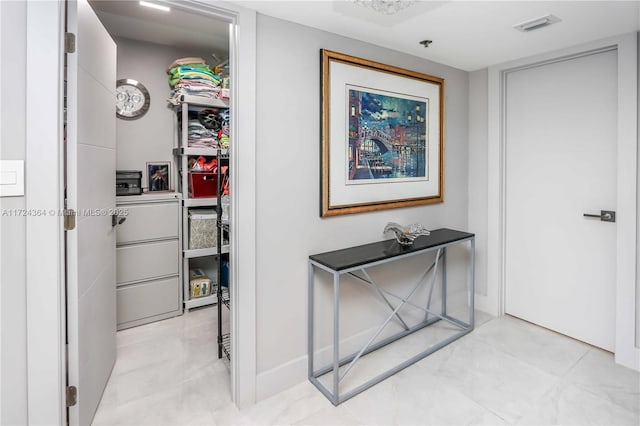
pixel 69 219
pixel 69 43
pixel 72 396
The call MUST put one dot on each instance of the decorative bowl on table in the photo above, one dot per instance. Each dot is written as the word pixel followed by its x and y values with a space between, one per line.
pixel 405 235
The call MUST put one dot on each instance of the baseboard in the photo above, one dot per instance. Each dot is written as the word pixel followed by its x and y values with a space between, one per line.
pixel 629 358
pixel 487 305
pixel 294 372
pixel 281 378
pixel 291 373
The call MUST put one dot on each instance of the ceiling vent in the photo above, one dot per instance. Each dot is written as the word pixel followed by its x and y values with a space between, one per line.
pixel 534 24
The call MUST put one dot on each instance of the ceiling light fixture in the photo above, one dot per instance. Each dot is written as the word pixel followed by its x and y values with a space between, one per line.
pixel 388 7
pixel 534 24
pixel 155 6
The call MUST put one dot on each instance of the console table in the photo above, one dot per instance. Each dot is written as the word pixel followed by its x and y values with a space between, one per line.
pixel 351 260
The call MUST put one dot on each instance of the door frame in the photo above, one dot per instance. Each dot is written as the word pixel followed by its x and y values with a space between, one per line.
pixel 44 240
pixel 45 294
pixel 242 62
pixel 626 352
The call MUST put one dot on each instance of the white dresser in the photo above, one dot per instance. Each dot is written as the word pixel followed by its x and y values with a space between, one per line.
pixel 148 257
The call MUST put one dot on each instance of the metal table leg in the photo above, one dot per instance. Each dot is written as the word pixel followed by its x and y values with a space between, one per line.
pixel 430 317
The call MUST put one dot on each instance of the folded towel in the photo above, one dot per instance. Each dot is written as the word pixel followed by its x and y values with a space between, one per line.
pixel 185 61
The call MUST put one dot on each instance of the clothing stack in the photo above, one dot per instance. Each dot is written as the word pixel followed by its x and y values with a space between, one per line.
pixel 199 136
pixel 208 128
pixel 192 76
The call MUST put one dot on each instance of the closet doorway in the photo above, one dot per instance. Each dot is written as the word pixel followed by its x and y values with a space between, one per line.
pixel 147 42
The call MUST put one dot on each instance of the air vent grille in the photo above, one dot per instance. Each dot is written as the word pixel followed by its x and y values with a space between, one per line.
pixel 537 23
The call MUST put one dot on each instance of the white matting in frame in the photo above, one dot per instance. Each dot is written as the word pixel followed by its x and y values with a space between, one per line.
pixel 344 78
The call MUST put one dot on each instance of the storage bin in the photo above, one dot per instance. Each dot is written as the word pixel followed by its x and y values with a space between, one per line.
pixel 203 232
pixel 203 184
pixel 199 283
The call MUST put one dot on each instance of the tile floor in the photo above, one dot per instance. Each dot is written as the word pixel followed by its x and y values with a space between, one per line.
pixel 505 372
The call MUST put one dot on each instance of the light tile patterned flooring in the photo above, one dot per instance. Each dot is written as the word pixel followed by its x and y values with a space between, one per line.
pixel 505 372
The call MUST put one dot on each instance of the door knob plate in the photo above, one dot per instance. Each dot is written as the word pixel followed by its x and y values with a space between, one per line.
pixel 605 215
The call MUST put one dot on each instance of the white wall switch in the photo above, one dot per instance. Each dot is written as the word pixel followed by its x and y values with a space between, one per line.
pixel 11 178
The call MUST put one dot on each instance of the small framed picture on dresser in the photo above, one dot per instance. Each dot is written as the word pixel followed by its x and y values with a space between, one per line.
pixel 159 176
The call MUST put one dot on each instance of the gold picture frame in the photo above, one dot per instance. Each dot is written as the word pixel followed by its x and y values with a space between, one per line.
pixel 382 136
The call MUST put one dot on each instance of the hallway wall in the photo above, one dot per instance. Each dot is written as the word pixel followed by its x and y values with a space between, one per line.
pixel 289 228
pixel 13 309
pixel 478 172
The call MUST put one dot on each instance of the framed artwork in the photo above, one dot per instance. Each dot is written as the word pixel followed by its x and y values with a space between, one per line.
pixel 159 176
pixel 382 136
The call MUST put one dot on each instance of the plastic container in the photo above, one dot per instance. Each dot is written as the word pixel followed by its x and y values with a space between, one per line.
pixel 203 231
pixel 203 184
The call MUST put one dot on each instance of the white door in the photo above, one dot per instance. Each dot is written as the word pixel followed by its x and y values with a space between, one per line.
pixel 90 187
pixel 561 123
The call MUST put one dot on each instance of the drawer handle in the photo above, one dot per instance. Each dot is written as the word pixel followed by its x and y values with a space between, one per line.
pixel 117 220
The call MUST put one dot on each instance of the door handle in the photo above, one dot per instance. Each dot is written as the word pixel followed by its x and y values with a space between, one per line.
pixel 117 220
pixel 604 216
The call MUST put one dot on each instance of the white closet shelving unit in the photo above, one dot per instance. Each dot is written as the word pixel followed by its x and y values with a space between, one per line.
pixel 182 152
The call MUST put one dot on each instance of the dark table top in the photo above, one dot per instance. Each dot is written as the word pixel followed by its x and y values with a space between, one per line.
pixel 339 260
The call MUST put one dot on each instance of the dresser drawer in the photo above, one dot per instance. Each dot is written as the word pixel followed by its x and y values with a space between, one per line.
pixel 146 261
pixel 150 221
pixel 148 299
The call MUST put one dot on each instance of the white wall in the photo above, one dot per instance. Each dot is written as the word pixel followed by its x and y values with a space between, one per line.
pixel 13 229
pixel 289 228
pixel 638 218
pixel 478 172
pixel 149 138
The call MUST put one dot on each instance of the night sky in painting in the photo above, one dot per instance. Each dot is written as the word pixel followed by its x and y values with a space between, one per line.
pixel 387 137
pixel 379 109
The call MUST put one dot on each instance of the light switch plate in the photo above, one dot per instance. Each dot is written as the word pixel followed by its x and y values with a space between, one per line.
pixel 11 178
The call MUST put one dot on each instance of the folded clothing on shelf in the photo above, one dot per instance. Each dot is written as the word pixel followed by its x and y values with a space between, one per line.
pixel 201 137
pixel 200 72
pixel 208 128
pixel 185 61
pixel 192 76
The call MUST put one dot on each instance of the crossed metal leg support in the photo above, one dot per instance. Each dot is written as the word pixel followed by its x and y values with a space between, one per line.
pixel 430 318
pixel 396 311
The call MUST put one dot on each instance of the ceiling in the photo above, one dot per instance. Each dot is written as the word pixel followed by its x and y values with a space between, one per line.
pixel 466 34
pixel 469 35
pixel 177 28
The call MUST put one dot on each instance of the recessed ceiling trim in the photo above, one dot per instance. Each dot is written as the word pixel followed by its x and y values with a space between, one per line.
pixel 534 24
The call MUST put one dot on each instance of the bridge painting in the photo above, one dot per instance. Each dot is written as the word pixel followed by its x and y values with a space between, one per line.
pixel 387 136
